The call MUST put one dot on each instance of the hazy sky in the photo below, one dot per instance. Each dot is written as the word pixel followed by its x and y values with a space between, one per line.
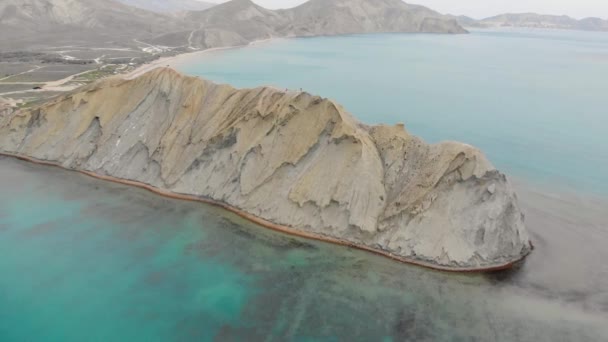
pixel 486 8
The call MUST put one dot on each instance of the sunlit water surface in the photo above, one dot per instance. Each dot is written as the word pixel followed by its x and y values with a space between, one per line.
pixel 86 260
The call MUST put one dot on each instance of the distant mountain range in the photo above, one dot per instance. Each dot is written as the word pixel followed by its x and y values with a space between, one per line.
pixel 169 6
pixel 533 20
pixel 32 24
pixel 241 21
pixel 186 25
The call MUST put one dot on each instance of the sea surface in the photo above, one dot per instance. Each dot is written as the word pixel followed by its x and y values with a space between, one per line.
pixel 535 101
pixel 87 260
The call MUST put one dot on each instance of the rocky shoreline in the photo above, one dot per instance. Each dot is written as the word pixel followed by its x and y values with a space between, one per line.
pixel 276 227
pixel 289 158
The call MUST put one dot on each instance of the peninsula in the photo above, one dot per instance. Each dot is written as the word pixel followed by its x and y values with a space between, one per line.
pixel 287 160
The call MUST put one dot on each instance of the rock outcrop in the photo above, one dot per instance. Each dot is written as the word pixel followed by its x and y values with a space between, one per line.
pixel 290 158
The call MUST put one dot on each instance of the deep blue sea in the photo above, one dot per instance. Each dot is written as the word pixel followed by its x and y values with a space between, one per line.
pixel 86 260
pixel 536 102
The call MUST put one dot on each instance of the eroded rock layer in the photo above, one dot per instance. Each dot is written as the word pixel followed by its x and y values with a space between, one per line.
pixel 290 158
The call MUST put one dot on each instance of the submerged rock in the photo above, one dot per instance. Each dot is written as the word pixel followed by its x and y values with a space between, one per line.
pixel 290 158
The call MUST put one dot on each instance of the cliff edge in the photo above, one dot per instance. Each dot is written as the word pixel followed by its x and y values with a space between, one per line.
pixel 290 158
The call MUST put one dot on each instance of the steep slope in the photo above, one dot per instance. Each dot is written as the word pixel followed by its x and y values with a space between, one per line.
pixel 292 159
pixel 169 6
pixel 236 22
pixel 533 20
pixel 30 23
pixel 241 21
pixel 330 17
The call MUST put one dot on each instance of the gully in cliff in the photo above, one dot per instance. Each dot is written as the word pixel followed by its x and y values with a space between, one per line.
pixel 292 162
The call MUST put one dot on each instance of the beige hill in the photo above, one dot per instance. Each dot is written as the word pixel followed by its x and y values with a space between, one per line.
pixel 291 158
pixel 241 21
pixel 31 24
pixel 330 17
pixel 169 6
pixel 37 24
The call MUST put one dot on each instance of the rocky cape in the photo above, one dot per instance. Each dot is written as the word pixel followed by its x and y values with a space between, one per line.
pixel 290 159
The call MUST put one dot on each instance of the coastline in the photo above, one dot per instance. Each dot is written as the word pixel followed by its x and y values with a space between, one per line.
pixel 270 225
pixel 173 61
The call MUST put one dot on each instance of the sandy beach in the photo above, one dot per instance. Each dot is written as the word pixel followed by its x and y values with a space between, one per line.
pixel 177 60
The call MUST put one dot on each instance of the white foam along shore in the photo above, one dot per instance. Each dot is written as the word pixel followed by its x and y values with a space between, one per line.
pixel 175 61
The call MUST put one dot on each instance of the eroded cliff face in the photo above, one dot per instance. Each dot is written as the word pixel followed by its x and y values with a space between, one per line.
pixel 290 158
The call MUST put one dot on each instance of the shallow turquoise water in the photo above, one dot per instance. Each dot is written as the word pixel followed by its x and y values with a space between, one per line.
pixel 534 101
pixel 86 260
